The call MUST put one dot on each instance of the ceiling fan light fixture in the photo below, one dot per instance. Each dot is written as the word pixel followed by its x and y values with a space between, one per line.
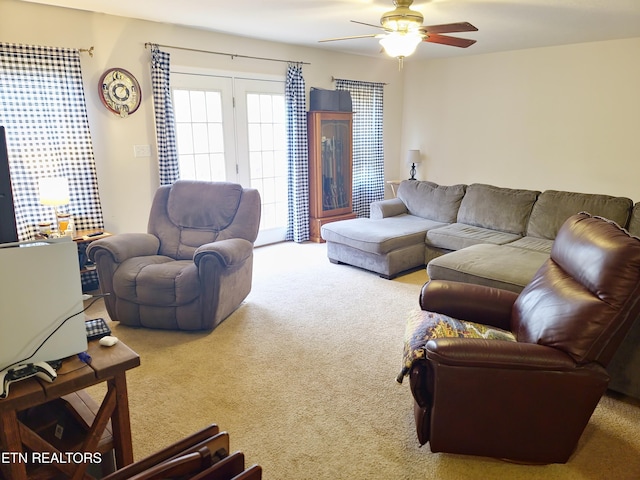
pixel 402 18
pixel 400 45
pixel 402 25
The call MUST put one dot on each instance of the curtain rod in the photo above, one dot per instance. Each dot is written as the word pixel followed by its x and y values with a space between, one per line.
pixel 232 55
pixel 333 79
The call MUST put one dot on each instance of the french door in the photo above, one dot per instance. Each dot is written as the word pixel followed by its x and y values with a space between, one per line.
pixel 233 129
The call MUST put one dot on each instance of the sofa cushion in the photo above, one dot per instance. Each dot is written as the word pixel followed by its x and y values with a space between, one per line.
pixel 430 200
pixel 491 265
pixel 387 208
pixel 379 236
pixel 554 207
pixel 634 221
pixel 495 208
pixel 183 212
pixel 460 235
pixel 533 243
pixel 156 280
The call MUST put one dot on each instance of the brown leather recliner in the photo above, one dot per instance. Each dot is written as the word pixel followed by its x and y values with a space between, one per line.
pixel 194 266
pixel 531 399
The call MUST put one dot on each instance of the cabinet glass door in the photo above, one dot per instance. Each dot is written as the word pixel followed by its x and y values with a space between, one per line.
pixel 336 170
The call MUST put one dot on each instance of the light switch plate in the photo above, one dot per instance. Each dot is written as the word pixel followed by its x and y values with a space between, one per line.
pixel 141 151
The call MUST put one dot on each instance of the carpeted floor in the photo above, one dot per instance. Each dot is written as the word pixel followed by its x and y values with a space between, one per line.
pixel 302 376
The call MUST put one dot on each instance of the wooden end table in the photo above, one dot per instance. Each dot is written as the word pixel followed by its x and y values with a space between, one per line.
pixel 108 364
pixel 88 273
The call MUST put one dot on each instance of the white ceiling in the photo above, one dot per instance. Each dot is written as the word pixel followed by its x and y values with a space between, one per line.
pixel 502 24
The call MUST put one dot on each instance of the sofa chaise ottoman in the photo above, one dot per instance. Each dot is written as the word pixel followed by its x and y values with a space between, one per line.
pixel 392 239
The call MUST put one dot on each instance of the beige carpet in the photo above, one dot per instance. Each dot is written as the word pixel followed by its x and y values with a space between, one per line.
pixel 302 376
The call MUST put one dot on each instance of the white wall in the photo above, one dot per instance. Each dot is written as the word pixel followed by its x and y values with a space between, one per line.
pixel 560 117
pixel 565 118
pixel 126 183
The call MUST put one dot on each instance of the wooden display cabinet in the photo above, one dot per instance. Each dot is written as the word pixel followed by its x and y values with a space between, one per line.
pixel 330 169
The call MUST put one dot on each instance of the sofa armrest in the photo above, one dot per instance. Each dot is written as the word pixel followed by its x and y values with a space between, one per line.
pixel 229 252
pixel 125 245
pixel 470 302
pixel 387 208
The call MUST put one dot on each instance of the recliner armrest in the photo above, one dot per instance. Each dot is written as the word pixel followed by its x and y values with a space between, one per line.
pixel 232 251
pixel 125 245
pixel 470 302
pixel 387 208
pixel 482 353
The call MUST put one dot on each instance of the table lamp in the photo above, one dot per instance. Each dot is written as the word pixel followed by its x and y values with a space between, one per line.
pixel 413 158
pixel 54 191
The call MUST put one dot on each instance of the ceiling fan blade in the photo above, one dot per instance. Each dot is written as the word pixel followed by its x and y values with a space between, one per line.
pixel 367 24
pixel 446 40
pixel 371 35
pixel 449 28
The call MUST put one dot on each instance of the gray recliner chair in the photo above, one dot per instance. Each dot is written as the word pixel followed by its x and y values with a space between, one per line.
pixel 194 266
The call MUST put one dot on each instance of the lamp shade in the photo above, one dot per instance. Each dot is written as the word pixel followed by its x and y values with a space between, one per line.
pixel 413 156
pixel 53 191
pixel 400 44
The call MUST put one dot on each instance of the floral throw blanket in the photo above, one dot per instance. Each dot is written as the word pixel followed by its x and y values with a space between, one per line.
pixel 423 326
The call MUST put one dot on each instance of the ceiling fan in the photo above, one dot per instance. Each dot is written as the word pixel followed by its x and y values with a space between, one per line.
pixel 403 31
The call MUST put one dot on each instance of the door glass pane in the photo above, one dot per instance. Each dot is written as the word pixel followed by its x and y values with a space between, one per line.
pixel 199 131
pixel 203 168
pixel 255 158
pixel 187 166
pixel 217 163
pixel 214 107
pixel 253 109
pixel 200 138
pixel 184 137
pixel 181 105
pixel 198 107
pixel 255 137
pixel 267 137
pixel 267 149
pixel 216 138
pixel 266 109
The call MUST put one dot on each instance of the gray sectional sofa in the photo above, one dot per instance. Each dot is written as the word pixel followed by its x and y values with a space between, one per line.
pixel 479 234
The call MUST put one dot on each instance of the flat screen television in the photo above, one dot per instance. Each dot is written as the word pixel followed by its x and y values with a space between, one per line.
pixel 8 231
pixel 41 308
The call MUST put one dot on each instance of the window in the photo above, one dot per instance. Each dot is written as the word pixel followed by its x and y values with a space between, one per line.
pixel 47 128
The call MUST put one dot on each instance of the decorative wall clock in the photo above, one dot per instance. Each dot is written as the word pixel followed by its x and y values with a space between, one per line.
pixel 119 91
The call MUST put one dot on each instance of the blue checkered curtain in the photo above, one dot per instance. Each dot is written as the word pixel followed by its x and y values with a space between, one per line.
pixel 43 110
pixel 297 155
pixel 368 147
pixel 165 120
